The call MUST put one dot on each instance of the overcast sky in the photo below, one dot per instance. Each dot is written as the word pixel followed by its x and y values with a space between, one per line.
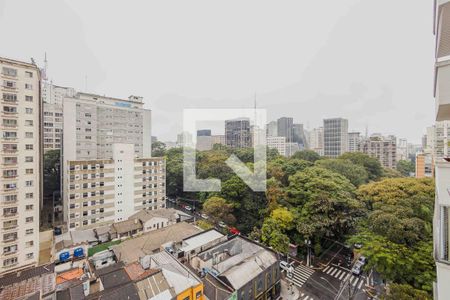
pixel 368 61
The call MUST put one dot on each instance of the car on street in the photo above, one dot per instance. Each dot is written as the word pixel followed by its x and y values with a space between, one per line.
pixel 358 246
pixel 234 231
pixel 284 265
pixel 357 268
pixel 363 260
pixel 222 224
pixel 204 216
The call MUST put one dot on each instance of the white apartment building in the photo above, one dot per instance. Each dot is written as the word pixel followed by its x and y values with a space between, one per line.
pixel 277 142
pixel 21 165
pixel 93 124
pixel 402 149
pixel 102 131
pixel 316 140
pixel 354 140
pixel 104 191
pixel 335 136
pixel 441 226
pixel 52 99
pixel 382 148
pixel 218 139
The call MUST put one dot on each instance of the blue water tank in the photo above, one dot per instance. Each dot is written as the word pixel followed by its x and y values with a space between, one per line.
pixel 64 256
pixel 78 252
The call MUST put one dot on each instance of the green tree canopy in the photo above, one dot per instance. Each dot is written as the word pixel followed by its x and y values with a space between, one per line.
pixel 51 172
pixel 357 174
pixel 308 155
pixel 158 149
pixel 218 209
pixel 372 165
pixel 406 167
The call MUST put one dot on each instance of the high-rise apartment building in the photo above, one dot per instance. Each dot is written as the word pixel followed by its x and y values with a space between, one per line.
pixel 382 148
pixel 218 139
pixel 272 128
pixel 204 140
pixel 285 128
pixel 335 136
pixel 104 140
pixel 238 133
pixel 93 124
pixel 424 165
pixel 316 140
pixel 402 149
pixel 52 99
pixel 441 228
pixel 354 140
pixel 21 164
pixel 277 142
pixel 103 191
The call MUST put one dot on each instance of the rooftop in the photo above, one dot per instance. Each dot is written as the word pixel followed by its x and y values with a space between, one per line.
pixel 132 249
pixel 200 239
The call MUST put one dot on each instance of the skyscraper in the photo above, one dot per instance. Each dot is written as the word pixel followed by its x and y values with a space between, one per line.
pixel 237 133
pixel 21 164
pixel 335 136
pixel 285 128
pixel 272 129
pixel 316 140
pixel 298 136
pixel 354 140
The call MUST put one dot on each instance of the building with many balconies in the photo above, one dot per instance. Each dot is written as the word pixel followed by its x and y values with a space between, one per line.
pixel 20 164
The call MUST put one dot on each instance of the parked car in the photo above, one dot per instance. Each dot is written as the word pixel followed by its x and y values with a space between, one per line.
pixel 188 208
pixel 204 216
pixel 358 245
pixel 234 231
pixel 284 265
pixel 57 231
pixel 363 260
pixel 222 224
pixel 357 268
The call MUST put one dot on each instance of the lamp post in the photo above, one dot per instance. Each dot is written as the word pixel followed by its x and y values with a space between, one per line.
pixel 308 252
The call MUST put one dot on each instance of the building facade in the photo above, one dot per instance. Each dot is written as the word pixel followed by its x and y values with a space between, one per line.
pixel 285 128
pixel 238 133
pixel 103 191
pixel 316 140
pixel 21 164
pixel 424 165
pixel 441 226
pixel 204 140
pixel 382 148
pixel 272 128
pixel 277 142
pixel 218 139
pixel 299 136
pixel 335 136
pixel 52 99
pixel 354 140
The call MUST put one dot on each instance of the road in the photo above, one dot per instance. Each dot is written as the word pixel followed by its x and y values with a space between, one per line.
pixel 331 279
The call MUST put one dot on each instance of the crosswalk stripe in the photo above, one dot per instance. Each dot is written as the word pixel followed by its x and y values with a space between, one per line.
pixel 330 270
pixel 360 284
pixel 324 270
pixel 342 275
pixel 334 271
pixel 300 275
pixel 338 273
pixel 306 298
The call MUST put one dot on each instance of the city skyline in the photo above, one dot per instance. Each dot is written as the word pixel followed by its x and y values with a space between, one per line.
pixel 302 74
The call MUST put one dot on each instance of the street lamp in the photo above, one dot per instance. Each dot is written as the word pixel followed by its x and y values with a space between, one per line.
pixel 308 252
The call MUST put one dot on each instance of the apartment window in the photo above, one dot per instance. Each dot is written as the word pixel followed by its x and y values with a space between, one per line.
pixel 10 261
pixel 9 109
pixel 29 231
pixel 28 74
pixel 10 186
pixel 28 158
pixel 29 171
pixel 10 198
pixel 9 135
pixel 29 195
pixel 9 97
pixel 85 213
pixel 72 225
pixel 29 146
pixel 30 255
pixel 28 86
pixel 29 135
pixel 9 71
pixel 29 183
pixel 28 122
pixel 85 222
pixel 29 207
pixel 28 110
pixel 9 249
pixel 9 84
pixel 29 98
pixel 29 244
pixel 29 219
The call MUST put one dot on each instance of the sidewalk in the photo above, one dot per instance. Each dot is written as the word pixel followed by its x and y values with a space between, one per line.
pixel 287 293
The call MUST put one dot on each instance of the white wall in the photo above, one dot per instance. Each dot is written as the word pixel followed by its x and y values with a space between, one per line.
pixel 123 155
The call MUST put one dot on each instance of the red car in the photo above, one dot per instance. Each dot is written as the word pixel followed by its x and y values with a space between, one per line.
pixel 234 230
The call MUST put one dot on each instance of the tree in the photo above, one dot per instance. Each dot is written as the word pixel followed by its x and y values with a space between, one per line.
pixel 371 164
pixel 174 172
pixel 357 174
pixel 273 231
pixel 308 155
pixel 51 172
pixel 158 149
pixel 406 167
pixel 218 209
pixel 405 292
pixel 325 203
pixel 391 173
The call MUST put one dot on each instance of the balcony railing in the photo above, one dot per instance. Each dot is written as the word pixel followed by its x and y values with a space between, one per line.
pixel 9 239
pixel 10 214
